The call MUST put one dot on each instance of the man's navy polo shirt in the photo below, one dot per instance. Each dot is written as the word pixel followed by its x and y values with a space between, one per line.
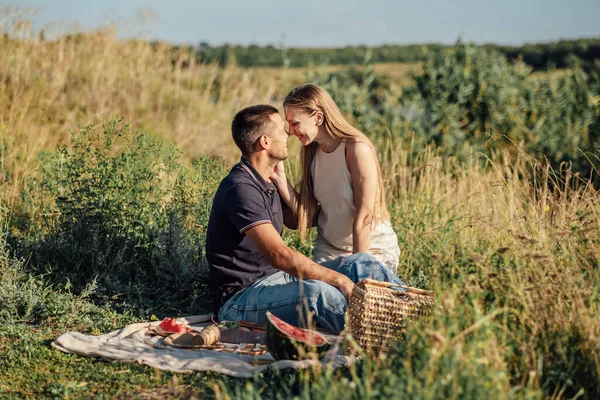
pixel 243 200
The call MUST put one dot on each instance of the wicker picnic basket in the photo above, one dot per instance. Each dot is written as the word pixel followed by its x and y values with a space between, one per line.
pixel 377 314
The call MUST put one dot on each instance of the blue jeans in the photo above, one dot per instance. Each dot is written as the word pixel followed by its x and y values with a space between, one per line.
pixel 297 301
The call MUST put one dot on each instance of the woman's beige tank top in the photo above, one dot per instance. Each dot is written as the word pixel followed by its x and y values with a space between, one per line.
pixel 332 186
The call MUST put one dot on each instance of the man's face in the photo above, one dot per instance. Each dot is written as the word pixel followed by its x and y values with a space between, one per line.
pixel 279 137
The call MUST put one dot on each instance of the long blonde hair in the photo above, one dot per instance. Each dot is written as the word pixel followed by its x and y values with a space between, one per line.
pixel 310 99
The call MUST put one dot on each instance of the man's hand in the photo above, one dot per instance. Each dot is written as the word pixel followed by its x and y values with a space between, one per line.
pixel 345 285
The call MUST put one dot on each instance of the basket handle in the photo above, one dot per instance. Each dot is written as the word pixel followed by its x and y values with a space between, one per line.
pixel 390 284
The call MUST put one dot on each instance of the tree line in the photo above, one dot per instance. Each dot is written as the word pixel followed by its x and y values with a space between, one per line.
pixel 540 56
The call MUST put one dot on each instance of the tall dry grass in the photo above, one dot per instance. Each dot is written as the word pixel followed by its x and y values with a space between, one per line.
pixel 51 86
pixel 508 245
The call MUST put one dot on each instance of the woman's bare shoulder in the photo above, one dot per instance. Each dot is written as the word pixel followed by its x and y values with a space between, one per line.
pixel 359 155
pixel 358 149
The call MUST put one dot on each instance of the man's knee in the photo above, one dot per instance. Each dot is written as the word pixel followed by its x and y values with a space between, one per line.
pixel 319 290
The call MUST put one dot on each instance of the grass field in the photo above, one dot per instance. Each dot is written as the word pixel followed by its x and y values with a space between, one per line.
pixel 510 246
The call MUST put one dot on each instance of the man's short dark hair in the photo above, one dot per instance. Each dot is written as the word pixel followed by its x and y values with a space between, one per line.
pixel 249 124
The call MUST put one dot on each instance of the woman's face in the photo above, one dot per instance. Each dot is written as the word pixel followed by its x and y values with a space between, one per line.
pixel 302 124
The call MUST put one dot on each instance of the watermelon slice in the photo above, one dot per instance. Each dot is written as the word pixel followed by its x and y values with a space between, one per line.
pixel 288 342
pixel 171 325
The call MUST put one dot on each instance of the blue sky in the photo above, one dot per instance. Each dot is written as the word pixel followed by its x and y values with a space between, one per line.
pixel 328 22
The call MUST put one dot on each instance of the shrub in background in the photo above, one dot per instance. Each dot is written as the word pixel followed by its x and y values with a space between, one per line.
pixel 470 99
pixel 120 209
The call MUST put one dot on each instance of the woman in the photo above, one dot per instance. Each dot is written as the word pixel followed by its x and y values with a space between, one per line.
pixel 341 188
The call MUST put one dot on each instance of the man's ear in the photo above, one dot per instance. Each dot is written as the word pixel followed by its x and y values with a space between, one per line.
pixel 264 141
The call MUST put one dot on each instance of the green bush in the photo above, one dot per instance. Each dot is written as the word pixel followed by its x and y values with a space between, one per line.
pixel 26 297
pixel 123 211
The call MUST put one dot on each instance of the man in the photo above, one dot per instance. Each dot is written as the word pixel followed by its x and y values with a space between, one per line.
pixel 252 270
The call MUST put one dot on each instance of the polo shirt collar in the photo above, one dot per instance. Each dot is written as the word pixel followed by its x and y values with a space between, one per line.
pixel 264 185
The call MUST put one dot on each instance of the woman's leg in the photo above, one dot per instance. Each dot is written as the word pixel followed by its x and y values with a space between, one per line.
pixel 359 266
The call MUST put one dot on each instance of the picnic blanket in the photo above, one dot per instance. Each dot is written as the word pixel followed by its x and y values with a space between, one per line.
pixel 133 343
